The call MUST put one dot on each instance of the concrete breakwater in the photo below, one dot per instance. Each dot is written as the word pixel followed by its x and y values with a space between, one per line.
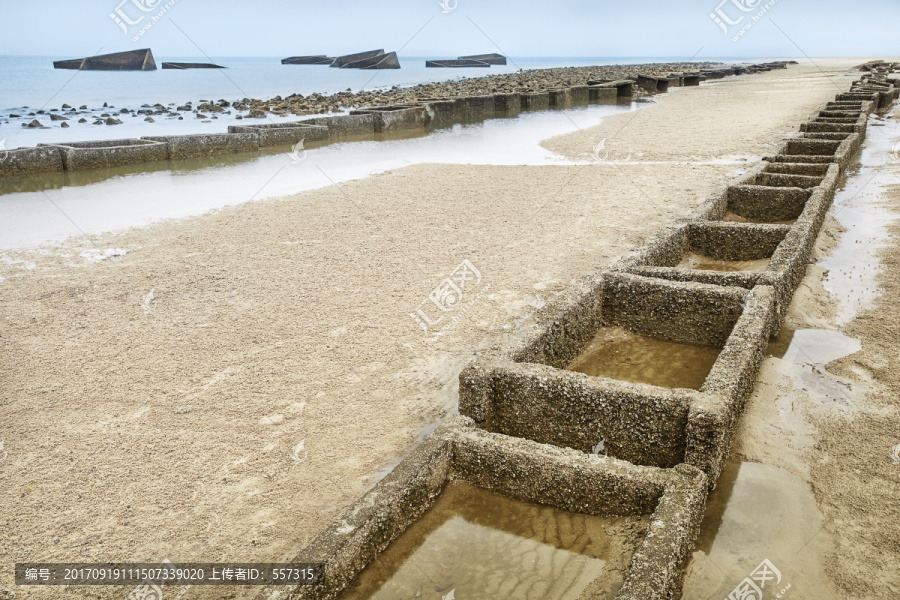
pixel 530 428
pixel 474 60
pixel 371 59
pixel 132 60
pixel 416 112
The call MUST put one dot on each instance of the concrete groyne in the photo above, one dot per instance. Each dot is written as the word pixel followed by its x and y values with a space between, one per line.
pixel 368 121
pixel 529 427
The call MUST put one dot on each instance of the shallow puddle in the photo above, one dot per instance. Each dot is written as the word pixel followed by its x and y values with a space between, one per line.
pixel 692 260
pixel 476 544
pixel 853 265
pixel 760 513
pixel 620 354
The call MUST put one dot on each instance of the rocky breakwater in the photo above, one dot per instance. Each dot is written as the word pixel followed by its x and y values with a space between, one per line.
pixel 523 82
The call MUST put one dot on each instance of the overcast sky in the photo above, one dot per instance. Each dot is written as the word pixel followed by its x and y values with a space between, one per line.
pixel 590 28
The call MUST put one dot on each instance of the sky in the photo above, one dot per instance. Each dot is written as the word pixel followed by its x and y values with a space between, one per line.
pixel 559 28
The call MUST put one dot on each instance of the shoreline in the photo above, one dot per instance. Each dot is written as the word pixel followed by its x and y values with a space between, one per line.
pixel 207 109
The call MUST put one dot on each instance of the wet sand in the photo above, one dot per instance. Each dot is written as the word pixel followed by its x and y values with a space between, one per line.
pixel 813 484
pixel 152 400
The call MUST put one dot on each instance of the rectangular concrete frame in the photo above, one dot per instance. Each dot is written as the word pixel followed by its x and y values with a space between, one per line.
pixel 858 126
pixel 775 191
pixel 23 161
pixel 207 144
pixel 282 134
pixel 787 246
pixel 77 156
pixel 804 150
pixel 395 118
pixel 528 471
pixel 522 389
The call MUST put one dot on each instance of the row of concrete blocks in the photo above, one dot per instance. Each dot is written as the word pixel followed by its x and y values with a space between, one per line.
pixel 74 156
pixel 662 84
pixel 526 424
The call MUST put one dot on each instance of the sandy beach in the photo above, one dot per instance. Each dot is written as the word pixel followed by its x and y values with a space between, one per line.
pixel 224 389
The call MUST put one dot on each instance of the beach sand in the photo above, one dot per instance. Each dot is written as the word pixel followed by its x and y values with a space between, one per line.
pixel 151 402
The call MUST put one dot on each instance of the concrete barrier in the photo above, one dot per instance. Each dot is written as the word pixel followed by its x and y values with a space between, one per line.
pixel 560 98
pixel 77 156
pixel 395 118
pixel 522 389
pixel 507 103
pixel 23 161
pixel 345 125
pixel 535 101
pixel 579 94
pixel 207 144
pixel 602 94
pixel 439 111
pixel 282 134
pixel 473 108
pixel 560 478
pixel 624 87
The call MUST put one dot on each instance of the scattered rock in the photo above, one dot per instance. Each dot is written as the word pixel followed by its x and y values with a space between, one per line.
pixel 82 120
pixel 58 118
pixel 65 106
pixel 150 120
pixel 257 114
pixel 64 125
pixel 33 125
pixel 112 121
